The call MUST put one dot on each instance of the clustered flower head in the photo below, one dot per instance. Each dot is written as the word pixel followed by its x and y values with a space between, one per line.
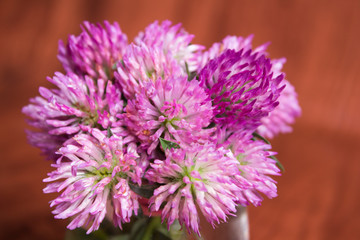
pixel 93 169
pixel 174 109
pixel 164 114
pixel 201 175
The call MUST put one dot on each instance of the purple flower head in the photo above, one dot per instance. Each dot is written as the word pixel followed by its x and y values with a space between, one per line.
pixel 95 51
pixel 142 64
pixel 287 110
pixel 280 119
pixel 254 166
pixel 194 179
pixel 242 87
pixel 91 171
pixel 174 109
pixel 174 41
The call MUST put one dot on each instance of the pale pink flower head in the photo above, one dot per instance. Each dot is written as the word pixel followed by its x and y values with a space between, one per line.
pixel 76 104
pixel 242 87
pixel 174 109
pixel 91 171
pixel 95 51
pixel 255 166
pixel 142 64
pixel 193 180
pixel 229 42
pixel 280 119
pixel 172 40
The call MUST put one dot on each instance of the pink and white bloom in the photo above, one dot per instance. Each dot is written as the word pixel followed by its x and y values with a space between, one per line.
pixel 174 109
pixel 194 179
pixel 142 64
pixel 173 40
pixel 91 171
pixel 78 103
pixel 230 42
pixel 255 166
pixel 280 119
pixel 95 51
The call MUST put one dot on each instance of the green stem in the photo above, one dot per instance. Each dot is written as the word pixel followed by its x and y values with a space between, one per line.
pixel 154 222
pixel 100 234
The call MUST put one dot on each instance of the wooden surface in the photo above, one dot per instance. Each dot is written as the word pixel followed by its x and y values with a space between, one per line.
pixel 319 194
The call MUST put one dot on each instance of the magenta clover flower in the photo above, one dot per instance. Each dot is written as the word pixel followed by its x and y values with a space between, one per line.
pixel 95 51
pixel 242 87
pixel 91 171
pixel 284 114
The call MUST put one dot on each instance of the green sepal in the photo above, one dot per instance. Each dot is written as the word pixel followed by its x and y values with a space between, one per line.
pixel 166 144
pixel 256 135
pixel 278 163
pixel 191 75
pixel 109 132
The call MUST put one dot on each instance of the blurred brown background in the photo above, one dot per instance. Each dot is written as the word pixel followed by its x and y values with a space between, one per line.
pixel 319 194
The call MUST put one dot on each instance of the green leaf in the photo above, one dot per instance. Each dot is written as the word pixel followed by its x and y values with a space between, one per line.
pixel 166 144
pixel 145 191
pixel 278 163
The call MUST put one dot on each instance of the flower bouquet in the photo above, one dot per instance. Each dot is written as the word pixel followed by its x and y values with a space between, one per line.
pixel 147 136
